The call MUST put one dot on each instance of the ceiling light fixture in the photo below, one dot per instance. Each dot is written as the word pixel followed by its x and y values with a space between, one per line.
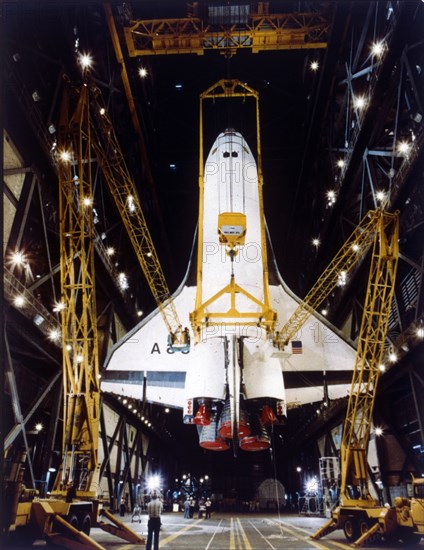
pixel 377 49
pixel 85 60
pixel 393 357
pixel 359 102
pixel 17 258
pixel 331 196
pixel 54 334
pixel 38 320
pixel 65 156
pixel 19 301
pixel 123 281
pixel 404 147
pixel 342 278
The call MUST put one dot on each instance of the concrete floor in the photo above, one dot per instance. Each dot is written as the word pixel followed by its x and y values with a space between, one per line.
pixel 236 532
pixel 227 531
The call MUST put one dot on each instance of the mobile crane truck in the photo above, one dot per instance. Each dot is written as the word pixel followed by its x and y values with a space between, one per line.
pixel 359 514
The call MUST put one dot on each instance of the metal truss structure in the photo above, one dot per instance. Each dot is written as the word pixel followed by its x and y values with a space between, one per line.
pixel 227 29
pixel 34 320
pixel 370 154
pixel 80 349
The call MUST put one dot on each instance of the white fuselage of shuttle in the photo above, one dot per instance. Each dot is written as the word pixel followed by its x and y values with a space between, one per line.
pixel 231 185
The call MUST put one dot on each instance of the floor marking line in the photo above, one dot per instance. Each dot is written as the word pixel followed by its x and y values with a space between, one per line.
pixel 234 533
pixel 178 533
pixel 265 539
pixel 334 542
pixel 215 532
pixel 239 544
pixel 232 543
pixel 316 544
pixel 244 536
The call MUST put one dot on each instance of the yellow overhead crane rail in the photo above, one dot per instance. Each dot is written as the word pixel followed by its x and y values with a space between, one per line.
pixel 254 31
pixel 125 195
pixel 351 253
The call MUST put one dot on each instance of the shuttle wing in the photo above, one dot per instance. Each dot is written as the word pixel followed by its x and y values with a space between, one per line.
pixel 143 365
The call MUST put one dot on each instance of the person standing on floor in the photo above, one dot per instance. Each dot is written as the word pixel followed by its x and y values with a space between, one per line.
pixel 192 507
pixel 208 506
pixel 154 509
pixel 202 507
pixel 122 507
pixel 187 508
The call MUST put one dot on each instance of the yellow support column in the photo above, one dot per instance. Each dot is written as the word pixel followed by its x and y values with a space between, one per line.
pixel 81 415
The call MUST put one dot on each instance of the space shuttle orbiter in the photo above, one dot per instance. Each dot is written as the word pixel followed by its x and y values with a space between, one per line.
pixel 231 381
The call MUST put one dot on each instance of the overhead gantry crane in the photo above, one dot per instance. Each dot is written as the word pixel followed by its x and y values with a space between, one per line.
pixel 227 29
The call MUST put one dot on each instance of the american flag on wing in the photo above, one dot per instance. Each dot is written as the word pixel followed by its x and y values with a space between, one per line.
pixel 296 346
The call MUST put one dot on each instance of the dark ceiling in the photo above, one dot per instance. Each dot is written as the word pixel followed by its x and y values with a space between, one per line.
pixel 44 35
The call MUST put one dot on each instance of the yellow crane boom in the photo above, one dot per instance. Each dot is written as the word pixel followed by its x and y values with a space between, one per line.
pixel 369 355
pixel 351 253
pixel 359 514
pixel 380 230
pixel 80 465
pixel 62 518
pixel 85 128
pixel 124 193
